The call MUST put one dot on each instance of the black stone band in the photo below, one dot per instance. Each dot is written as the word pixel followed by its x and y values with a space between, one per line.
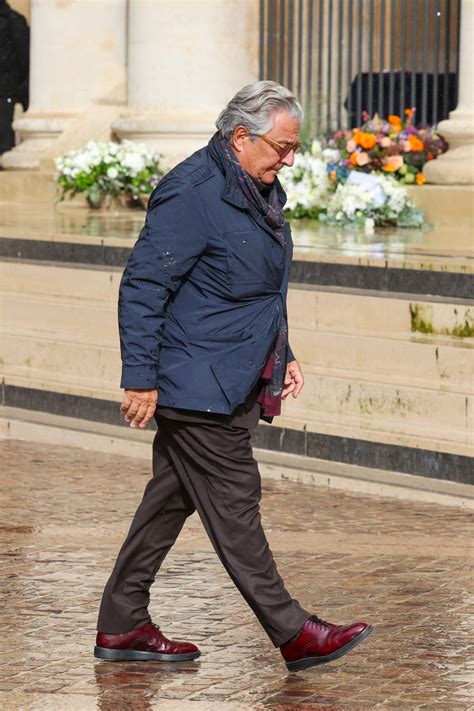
pixel 350 276
pixel 386 279
pixel 409 460
pixel 71 252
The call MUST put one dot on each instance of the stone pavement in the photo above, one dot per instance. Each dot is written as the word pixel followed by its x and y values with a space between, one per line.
pixel 404 567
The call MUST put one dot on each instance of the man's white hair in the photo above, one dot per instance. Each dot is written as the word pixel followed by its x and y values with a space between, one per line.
pixel 255 106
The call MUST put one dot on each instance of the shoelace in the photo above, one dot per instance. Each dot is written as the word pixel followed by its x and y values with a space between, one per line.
pixel 318 621
pixel 313 620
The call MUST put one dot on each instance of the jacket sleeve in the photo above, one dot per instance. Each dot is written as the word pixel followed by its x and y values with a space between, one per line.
pixel 289 354
pixel 173 238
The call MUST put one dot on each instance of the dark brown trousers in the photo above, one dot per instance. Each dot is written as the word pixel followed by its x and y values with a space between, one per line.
pixel 203 464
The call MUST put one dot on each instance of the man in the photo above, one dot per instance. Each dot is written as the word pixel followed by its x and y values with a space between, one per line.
pixel 14 70
pixel 202 315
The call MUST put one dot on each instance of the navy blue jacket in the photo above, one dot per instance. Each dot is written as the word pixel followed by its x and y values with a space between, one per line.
pixel 203 293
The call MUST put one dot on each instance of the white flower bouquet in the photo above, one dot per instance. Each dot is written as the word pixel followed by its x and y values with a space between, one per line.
pixel 368 200
pixel 358 200
pixel 307 184
pixel 100 170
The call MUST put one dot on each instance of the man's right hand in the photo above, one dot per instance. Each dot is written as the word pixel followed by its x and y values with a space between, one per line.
pixel 138 406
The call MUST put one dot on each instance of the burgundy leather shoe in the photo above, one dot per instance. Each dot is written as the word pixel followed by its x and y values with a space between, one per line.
pixel 144 643
pixel 318 642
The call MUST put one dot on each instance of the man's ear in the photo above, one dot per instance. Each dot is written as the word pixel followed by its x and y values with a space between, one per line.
pixel 240 134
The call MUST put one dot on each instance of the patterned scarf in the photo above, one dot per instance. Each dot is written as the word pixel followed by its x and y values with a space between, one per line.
pixel 275 369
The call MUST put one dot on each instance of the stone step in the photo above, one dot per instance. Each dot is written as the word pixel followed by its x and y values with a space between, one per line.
pixel 446 205
pixel 315 308
pixel 63 366
pixel 446 320
pixel 446 364
pixel 369 403
pixel 65 282
pixel 16 423
pixel 431 362
pixel 39 187
pixel 91 323
pixel 368 430
pixel 364 313
pixel 369 373
pixel 399 409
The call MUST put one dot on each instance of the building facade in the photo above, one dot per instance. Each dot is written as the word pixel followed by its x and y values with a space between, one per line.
pixel 159 71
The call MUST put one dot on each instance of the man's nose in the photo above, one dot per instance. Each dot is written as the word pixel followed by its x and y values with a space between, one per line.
pixel 289 159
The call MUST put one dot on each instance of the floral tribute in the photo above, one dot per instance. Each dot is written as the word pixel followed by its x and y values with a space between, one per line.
pixel 358 178
pixel 393 146
pixel 371 200
pixel 307 184
pixel 108 170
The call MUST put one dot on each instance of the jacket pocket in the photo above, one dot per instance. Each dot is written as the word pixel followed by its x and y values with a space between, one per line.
pixel 236 373
pixel 247 257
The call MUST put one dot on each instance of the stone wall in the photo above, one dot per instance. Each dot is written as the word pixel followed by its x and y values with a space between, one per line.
pixel 388 376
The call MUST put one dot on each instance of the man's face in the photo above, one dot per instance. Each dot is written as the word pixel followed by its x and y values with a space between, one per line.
pixel 259 158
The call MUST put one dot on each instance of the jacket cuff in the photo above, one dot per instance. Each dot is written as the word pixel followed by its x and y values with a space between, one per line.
pixel 289 354
pixel 139 377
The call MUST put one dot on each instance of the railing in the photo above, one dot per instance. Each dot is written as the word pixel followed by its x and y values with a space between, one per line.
pixel 343 57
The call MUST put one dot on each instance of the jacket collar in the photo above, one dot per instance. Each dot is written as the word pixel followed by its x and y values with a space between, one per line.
pixel 233 195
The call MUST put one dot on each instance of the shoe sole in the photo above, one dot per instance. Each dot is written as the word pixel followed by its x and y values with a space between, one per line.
pixel 135 655
pixel 313 661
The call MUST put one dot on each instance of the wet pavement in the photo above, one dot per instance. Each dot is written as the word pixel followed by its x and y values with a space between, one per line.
pixel 404 567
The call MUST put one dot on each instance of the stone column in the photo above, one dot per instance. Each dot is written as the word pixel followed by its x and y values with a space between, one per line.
pixel 456 166
pixel 77 52
pixel 186 60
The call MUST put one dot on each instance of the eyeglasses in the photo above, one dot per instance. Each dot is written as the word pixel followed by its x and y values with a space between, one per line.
pixel 280 148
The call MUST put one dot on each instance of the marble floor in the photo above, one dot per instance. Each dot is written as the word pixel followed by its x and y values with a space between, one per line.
pixel 405 567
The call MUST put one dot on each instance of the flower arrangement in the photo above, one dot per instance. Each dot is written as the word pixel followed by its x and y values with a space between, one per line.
pixel 365 200
pixel 101 170
pixel 392 146
pixel 358 178
pixel 307 184
pixel 355 199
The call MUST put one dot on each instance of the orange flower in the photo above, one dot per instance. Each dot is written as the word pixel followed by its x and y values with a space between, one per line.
pixel 395 162
pixel 366 140
pixel 389 168
pixel 420 179
pixel 354 158
pixel 362 158
pixel 394 119
pixel 416 144
pixel 408 112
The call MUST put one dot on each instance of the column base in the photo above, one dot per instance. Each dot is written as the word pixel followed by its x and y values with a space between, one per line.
pixel 171 137
pixel 37 132
pixel 456 166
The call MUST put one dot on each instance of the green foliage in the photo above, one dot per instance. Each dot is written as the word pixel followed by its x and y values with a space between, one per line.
pixel 101 170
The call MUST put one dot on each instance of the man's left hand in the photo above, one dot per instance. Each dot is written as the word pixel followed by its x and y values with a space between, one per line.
pixel 294 380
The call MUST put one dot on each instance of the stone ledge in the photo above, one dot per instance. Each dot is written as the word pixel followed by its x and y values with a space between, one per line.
pixel 120 440
pixel 345 450
pixel 434 445
pixel 419 282
pixel 445 204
